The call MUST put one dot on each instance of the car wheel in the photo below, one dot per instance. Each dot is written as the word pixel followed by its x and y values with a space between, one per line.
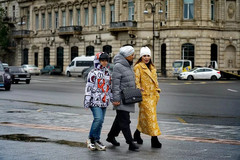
pixel 190 78
pixel 213 78
pixel 69 74
pixel 28 81
pixel 8 87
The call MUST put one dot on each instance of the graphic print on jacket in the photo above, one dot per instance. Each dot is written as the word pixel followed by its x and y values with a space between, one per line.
pixel 98 87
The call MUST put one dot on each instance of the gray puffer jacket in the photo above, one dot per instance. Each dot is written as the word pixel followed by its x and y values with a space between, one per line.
pixel 122 77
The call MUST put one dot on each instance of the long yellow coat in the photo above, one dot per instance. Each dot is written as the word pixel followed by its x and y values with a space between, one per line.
pixel 146 79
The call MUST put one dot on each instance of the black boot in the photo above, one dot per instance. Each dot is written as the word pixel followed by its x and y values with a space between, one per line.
pixel 133 147
pixel 137 137
pixel 113 141
pixel 155 142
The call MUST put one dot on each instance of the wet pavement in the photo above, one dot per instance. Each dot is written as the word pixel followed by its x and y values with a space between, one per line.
pixel 39 131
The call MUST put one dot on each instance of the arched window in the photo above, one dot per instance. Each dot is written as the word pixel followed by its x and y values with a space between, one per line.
pixel 46 59
pixel 74 52
pixel 107 49
pixel 89 51
pixel 188 52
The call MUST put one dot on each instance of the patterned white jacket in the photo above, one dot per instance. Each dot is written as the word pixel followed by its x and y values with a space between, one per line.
pixel 98 92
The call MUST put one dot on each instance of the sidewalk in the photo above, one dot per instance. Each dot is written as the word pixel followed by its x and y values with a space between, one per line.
pixel 48 132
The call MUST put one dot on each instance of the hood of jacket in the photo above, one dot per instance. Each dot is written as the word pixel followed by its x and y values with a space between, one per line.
pixel 96 61
pixel 120 59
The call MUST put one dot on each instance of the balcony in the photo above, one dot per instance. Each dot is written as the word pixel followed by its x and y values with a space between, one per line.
pixel 123 26
pixel 69 31
pixel 21 34
pixel 9 20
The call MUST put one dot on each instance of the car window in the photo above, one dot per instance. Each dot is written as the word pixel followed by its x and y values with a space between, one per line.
pixel 72 64
pixel 186 64
pixel 17 70
pixel 84 63
pixel 177 64
pixel 208 70
pixel 200 70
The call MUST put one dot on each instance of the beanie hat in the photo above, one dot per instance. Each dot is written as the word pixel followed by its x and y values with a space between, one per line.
pixel 104 56
pixel 126 51
pixel 145 51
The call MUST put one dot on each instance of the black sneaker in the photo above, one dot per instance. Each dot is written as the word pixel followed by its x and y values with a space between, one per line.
pixel 113 141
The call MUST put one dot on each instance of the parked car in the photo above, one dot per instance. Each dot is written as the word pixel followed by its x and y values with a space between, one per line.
pixel 50 69
pixel 5 78
pixel 77 65
pixel 32 69
pixel 85 73
pixel 19 74
pixel 200 73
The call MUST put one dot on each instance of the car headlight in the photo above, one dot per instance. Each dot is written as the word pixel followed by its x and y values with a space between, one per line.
pixel 8 77
pixel 16 75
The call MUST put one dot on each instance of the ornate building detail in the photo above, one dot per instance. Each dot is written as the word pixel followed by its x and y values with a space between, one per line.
pixel 231 10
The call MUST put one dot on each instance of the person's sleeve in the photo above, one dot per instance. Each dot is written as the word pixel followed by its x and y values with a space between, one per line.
pixel 137 77
pixel 88 89
pixel 116 84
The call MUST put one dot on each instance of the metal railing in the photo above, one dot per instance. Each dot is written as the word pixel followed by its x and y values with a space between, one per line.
pixel 123 24
pixel 21 33
pixel 70 29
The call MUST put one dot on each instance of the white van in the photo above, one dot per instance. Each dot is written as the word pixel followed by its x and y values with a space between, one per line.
pixel 78 64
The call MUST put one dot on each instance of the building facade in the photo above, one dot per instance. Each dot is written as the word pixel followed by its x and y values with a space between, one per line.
pixel 55 31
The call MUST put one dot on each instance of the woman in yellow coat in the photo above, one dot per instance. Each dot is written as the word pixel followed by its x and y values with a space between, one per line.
pixel 146 80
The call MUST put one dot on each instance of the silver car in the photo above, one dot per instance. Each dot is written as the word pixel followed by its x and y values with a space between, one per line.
pixel 200 73
pixel 31 69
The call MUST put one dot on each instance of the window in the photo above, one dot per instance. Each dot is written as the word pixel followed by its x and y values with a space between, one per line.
pixel 212 10
pixel 43 21
pixel 188 9
pixel 28 19
pixel 166 9
pixel 94 16
pixel 89 51
pixel 71 18
pixel 112 13
pixel 56 19
pixel 13 11
pixel 78 17
pixel 130 10
pixel 188 52
pixel 37 21
pixel 84 63
pixel 103 15
pixel 63 18
pixel 86 16
pixel 50 20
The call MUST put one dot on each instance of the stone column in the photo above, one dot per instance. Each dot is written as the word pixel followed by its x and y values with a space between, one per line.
pixel 40 57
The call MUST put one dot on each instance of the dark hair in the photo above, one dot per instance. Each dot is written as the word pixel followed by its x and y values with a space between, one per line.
pixel 104 56
pixel 140 60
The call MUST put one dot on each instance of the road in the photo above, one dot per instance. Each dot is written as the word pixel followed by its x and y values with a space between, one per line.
pixel 198 120
pixel 214 102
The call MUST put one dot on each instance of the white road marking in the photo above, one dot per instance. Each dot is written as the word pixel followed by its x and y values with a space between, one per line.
pixel 232 90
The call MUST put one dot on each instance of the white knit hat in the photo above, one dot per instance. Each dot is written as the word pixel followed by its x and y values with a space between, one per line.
pixel 145 51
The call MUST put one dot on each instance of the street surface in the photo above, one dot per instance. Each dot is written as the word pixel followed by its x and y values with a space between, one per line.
pixel 46 120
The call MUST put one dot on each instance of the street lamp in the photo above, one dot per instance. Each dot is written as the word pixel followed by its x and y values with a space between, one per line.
pixel 153 9
pixel 21 23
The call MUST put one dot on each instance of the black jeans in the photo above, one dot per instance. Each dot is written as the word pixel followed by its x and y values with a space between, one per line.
pixel 121 123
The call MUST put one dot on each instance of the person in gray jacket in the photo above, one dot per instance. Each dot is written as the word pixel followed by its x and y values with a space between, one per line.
pixel 122 77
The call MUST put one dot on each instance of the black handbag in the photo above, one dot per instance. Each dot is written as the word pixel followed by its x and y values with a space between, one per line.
pixel 131 95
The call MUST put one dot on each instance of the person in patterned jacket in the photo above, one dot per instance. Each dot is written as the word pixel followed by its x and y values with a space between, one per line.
pixel 97 97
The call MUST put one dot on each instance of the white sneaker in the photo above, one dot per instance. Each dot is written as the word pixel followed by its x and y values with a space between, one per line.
pixel 100 146
pixel 90 145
